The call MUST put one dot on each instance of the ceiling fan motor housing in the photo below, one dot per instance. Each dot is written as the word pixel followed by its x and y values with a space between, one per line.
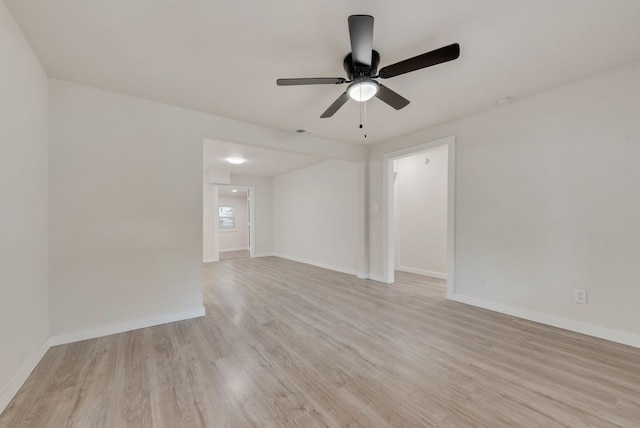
pixel 358 71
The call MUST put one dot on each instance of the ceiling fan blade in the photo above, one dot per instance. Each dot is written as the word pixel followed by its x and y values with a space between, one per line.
pixel 361 34
pixel 390 97
pixel 311 81
pixel 438 56
pixel 336 105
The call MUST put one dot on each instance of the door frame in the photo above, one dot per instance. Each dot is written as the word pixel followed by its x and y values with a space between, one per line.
pixel 388 215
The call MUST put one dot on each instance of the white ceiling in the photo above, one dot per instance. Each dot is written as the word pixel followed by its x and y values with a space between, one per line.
pixel 223 57
pixel 260 161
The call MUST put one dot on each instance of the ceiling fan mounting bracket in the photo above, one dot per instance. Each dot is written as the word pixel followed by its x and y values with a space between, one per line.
pixel 357 71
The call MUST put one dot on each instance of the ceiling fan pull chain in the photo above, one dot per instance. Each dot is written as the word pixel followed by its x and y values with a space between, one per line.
pixel 363 117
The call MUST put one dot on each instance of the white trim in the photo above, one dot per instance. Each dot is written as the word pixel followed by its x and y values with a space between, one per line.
pixel 21 377
pixel 216 218
pixel 388 244
pixel 320 265
pixel 378 278
pixel 388 240
pixel 552 320
pixel 362 221
pixel 210 260
pixel 451 219
pixel 225 250
pixel 422 272
pixel 123 327
pixel 264 255
pixel 251 193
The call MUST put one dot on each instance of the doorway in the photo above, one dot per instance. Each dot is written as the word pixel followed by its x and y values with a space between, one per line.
pixel 234 222
pixel 229 219
pixel 391 162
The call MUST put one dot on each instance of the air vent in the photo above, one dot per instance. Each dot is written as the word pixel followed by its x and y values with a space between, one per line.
pixel 302 131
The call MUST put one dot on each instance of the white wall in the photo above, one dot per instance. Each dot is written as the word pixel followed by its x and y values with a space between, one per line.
pixel 237 239
pixel 125 209
pixel 318 215
pixel 126 204
pixel 421 213
pixel 546 201
pixel 24 320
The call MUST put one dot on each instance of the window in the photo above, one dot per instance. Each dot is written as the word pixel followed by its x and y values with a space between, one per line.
pixel 227 217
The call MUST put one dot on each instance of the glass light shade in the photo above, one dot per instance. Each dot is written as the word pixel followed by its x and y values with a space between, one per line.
pixel 363 91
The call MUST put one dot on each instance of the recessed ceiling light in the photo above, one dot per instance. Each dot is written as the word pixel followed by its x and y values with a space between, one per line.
pixel 236 161
pixel 234 190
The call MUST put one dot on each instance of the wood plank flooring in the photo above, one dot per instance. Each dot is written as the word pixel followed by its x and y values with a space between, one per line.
pixel 289 345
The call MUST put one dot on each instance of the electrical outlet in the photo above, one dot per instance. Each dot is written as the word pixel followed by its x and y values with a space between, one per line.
pixel 579 295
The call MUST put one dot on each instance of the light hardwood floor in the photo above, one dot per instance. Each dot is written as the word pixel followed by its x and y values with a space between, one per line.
pixel 285 344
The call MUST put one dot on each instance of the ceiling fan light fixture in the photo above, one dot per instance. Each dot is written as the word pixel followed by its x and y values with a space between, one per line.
pixel 363 90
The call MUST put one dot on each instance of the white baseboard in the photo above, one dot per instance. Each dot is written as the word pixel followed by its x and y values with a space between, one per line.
pixel 263 255
pixel 210 260
pixel 552 320
pixel 423 272
pixel 317 264
pixel 378 278
pixel 123 326
pixel 226 250
pixel 20 378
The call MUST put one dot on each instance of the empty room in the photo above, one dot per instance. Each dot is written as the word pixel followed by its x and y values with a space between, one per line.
pixel 319 214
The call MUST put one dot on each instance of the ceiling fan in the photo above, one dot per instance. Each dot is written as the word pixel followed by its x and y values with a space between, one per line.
pixel 361 66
